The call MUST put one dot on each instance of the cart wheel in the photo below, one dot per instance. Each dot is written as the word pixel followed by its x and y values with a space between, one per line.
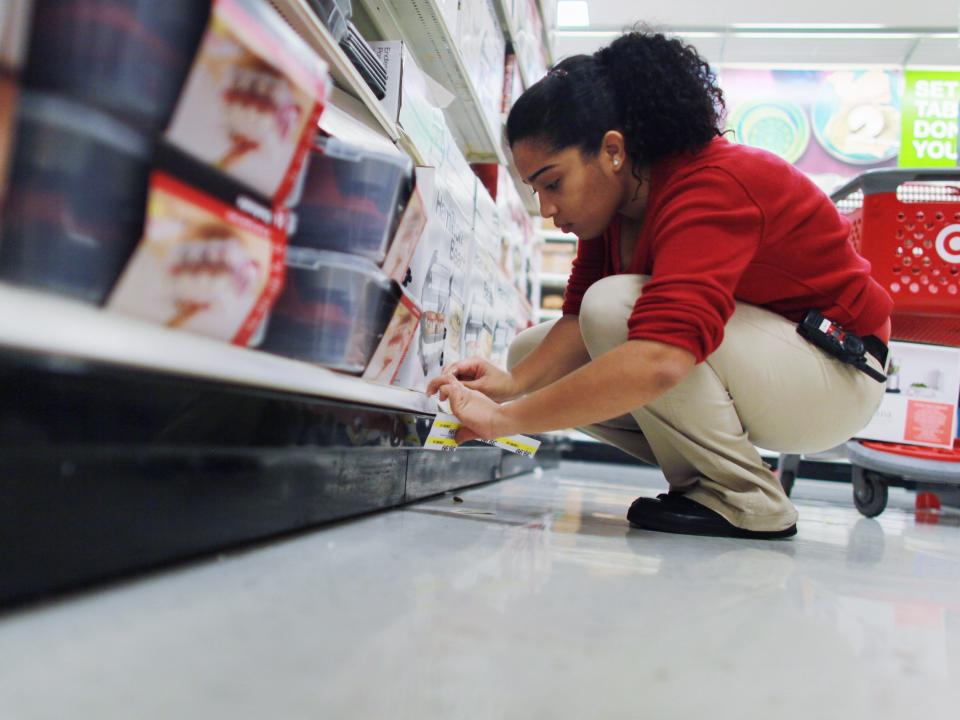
pixel 869 493
pixel 787 478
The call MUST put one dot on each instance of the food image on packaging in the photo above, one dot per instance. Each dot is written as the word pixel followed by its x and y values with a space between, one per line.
pixel 856 117
pixel 251 101
pixel 201 266
pixel 434 304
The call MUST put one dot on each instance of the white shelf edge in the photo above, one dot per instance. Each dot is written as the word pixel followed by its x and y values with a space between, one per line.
pixel 544 314
pixel 304 21
pixel 58 327
pixel 557 236
pixel 406 20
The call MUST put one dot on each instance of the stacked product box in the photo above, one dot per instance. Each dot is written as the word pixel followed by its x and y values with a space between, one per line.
pixel 100 81
pixel 14 24
pixel 483 48
pixel 212 257
pixel 528 40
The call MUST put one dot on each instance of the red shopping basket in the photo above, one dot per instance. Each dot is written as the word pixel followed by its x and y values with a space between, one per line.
pixel 907 224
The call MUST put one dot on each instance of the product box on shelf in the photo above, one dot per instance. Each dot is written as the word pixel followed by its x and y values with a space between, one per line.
pixel 127 57
pixel 483 48
pixel 333 311
pixel 8 109
pixel 512 85
pixel 334 14
pixel 920 403
pixel 252 99
pixel 437 283
pixel 528 41
pixel 352 198
pixel 480 315
pixel 413 99
pixel 77 189
pixel 486 220
pixel 211 261
pixel 407 237
pixel 14 28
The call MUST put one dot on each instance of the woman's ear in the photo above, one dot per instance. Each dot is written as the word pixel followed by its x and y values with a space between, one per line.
pixel 613 150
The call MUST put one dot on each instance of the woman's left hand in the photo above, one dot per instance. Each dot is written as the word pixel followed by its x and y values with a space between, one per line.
pixel 482 418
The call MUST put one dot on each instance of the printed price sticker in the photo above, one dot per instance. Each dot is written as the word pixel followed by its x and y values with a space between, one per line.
pixel 445 427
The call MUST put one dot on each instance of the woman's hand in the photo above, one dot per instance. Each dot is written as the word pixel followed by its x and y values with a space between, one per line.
pixel 481 375
pixel 481 417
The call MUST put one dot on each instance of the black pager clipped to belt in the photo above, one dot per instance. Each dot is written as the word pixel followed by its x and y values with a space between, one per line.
pixel 841 344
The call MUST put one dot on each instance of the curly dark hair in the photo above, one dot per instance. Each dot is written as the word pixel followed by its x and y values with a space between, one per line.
pixel 656 90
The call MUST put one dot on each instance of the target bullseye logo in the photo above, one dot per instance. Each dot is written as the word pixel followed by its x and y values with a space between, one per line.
pixel 948 243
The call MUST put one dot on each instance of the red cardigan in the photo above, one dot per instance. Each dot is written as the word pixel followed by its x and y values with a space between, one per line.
pixel 733 223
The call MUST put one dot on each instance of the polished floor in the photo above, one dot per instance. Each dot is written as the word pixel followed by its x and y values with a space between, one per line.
pixel 529 598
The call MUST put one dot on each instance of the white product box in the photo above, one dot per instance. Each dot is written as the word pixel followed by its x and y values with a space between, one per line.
pixel 920 404
pixel 252 100
pixel 414 100
pixel 437 283
pixel 480 317
pixel 486 220
pixel 483 48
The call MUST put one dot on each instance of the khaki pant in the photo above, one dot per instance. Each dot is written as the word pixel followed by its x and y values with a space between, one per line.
pixel 764 386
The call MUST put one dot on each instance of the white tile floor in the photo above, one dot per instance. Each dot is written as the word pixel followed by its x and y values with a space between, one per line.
pixel 530 599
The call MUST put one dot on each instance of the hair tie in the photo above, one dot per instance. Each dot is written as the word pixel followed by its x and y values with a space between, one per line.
pixel 558 72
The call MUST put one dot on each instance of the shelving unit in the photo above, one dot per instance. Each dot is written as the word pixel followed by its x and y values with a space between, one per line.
pixel 39 323
pixel 421 25
pixel 304 21
pixel 553 279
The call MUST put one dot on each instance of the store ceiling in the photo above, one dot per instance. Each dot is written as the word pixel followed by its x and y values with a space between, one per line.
pixel 921 33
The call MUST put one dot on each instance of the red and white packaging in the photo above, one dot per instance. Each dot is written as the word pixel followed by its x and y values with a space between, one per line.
pixel 387 359
pixel 920 403
pixel 8 108
pixel 251 103
pixel 204 265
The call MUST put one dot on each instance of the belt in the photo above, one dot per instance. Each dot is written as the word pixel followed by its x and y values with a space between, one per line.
pixel 876 347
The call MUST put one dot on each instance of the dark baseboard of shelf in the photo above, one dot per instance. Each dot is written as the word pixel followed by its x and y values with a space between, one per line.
pixel 105 471
pixel 601 452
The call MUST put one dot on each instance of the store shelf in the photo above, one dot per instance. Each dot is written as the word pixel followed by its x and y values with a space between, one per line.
pixel 509 33
pixel 531 202
pixel 557 236
pixel 304 21
pixel 553 279
pixel 58 327
pixel 420 24
pixel 544 315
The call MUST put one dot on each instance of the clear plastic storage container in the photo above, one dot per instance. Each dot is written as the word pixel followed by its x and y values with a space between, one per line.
pixel 352 199
pixel 334 14
pixel 129 57
pixel 75 208
pixel 333 311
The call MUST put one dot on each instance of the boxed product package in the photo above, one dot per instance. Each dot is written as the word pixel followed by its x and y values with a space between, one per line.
pixel 333 311
pixel 334 14
pixel 512 85
pixel 483 48
pixel 437 284
pixel 405 240
pixel 8 108
pixel 528 41
pixel 211 264
pixel 486 220
pixel 388 358
pixel 920 403
pixel 128 57
pixel 78 185
pixel 14 25
pixel 252 99
pixel 414 99
pixel 352 198
pixel 480 315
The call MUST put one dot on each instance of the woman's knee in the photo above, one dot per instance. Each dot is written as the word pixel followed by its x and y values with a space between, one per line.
pixel 526 342
pixel 605 309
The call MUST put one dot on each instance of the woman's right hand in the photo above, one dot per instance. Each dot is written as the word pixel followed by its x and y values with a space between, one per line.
pixel 483 376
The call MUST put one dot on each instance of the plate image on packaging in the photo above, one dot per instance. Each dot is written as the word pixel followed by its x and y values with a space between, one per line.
pixel 856 117
pixel 775 125
pixel 249 106
pixel 397 339
pixel 201 266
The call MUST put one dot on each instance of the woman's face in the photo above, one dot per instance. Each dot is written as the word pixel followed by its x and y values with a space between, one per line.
pixel 581 194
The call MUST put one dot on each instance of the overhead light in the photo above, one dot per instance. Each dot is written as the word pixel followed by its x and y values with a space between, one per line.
pixel 573 13
pixel 807 26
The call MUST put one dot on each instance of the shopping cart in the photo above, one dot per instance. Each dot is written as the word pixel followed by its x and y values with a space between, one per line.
pixel 907 224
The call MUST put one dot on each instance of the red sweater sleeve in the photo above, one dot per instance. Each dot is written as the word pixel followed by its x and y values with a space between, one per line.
pixel 588 266
pixel 703 237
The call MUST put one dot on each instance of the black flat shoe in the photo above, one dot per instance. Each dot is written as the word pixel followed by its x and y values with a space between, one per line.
pixel 678 514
